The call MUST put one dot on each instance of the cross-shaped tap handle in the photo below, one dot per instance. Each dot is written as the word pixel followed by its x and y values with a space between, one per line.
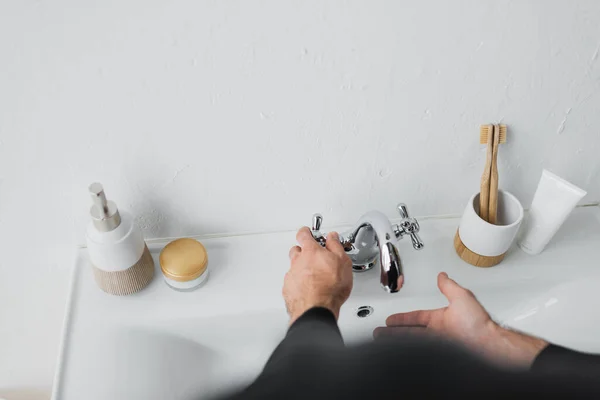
pixel 408 226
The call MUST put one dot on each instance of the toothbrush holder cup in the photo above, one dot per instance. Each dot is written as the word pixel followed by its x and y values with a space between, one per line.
pixel 482 244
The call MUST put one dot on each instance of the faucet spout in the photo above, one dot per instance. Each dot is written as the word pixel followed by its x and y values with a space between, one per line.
pixel 373 239
pixel 374 230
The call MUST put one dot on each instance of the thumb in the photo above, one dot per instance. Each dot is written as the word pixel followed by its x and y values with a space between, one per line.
pixel 449 287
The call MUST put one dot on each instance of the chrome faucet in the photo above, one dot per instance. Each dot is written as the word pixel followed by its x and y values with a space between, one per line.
pixel 374 237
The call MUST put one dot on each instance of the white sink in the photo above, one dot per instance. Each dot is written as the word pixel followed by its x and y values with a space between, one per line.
pixel 161 344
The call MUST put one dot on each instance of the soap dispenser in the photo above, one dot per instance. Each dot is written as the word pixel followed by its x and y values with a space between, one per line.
pixel 120 259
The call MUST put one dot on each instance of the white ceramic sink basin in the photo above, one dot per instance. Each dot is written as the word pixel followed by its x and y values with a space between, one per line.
pixel 160 343
pixel 179 358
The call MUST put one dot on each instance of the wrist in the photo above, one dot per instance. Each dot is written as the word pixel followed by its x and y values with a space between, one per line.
pixel 510 348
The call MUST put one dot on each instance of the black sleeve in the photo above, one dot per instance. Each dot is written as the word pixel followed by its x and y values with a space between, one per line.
pixel 312 363
pixel 556 359
pixel 316 328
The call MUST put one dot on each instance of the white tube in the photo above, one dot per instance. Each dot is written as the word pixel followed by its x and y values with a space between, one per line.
pixel 552 203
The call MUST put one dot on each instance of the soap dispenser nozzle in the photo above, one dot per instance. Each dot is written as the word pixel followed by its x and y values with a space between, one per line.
pixel 104 212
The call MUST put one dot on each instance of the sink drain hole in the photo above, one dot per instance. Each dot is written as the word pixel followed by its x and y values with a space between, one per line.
pixel 364 311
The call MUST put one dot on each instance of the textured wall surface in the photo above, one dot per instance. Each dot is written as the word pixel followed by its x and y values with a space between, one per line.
pixel 227 116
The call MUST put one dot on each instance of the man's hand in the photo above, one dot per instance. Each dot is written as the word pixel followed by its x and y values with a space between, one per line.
pixel 318 277
pixel 463 320
pixel 467 322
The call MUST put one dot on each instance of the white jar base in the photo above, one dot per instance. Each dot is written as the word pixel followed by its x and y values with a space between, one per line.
pixel 189 285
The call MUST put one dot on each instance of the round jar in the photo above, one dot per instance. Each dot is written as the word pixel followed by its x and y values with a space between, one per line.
pixel 184 264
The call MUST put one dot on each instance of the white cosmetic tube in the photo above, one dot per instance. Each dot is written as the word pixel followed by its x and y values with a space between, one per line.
pixel 552 203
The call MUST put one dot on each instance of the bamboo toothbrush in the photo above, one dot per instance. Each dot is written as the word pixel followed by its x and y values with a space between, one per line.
pixel 486 136
pixel 499 138
pixel 493 208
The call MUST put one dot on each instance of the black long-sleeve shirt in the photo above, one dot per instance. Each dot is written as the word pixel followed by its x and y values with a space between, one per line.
pixel 313 363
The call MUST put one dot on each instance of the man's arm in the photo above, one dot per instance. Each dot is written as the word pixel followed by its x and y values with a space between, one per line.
pixel 318 283
pixel 316 286
pixel 316 328
pixel 465 321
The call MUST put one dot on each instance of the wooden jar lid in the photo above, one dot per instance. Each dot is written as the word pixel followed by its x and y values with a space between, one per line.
pixel 183 260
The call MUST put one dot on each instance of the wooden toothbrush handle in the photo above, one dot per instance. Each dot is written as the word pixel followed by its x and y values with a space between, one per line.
pixel 493 207
pixel 484 192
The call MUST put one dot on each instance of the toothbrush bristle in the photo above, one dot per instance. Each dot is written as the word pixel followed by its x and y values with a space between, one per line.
pixel 486 130
pixel 503 134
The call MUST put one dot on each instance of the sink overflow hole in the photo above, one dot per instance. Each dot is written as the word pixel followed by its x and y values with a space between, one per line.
pixel 364 311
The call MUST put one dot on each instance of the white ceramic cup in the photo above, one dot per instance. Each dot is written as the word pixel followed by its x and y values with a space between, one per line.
pixel 487 239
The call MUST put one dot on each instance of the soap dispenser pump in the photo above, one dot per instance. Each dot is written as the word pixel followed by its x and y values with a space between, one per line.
pixel 120 259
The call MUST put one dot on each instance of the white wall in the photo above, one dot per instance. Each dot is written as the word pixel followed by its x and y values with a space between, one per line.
pixel 226 116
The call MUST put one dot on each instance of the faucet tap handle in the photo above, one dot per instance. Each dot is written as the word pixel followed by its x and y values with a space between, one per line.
pixel 408 226
pixel 315 229
pixel 403 210
pixel 317 220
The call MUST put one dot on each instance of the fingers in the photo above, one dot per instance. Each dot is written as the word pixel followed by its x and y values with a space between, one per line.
pixel 381 332
pixel 294 252
pixel 449 287
pixel 333 244
pixel 413 319
pixel 306 239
